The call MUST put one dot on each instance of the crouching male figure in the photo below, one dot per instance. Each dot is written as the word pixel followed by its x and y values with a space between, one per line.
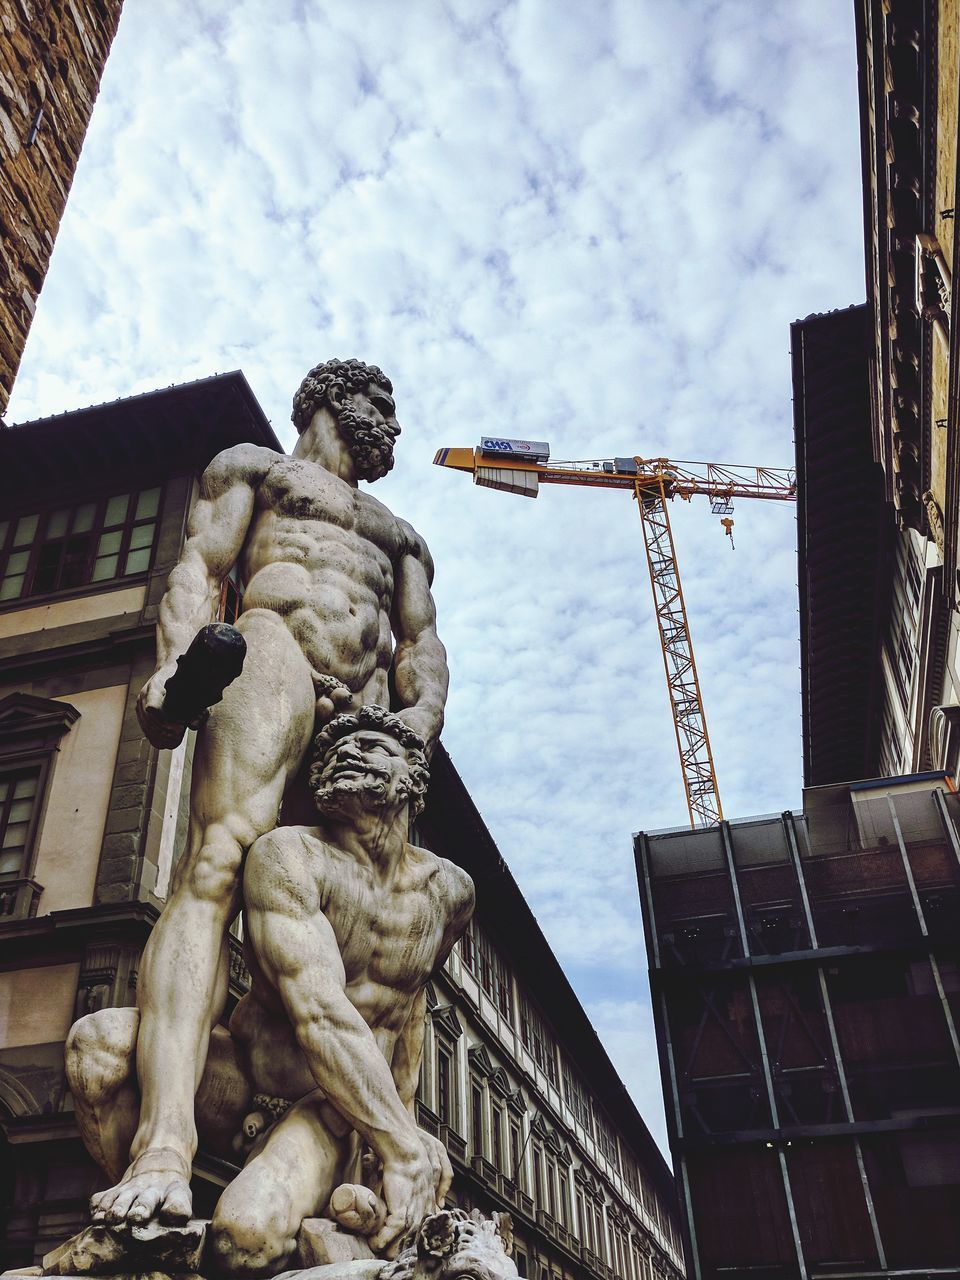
pixel 344 925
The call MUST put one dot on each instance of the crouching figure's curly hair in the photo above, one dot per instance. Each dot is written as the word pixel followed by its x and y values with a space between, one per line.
pixel 381 721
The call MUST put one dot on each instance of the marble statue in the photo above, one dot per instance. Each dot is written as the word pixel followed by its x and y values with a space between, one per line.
pixel 344 923
pixel 337 616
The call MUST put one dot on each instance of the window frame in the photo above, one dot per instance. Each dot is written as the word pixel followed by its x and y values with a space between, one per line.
pixel 482 959
pixel 537 1038
pixel 538 1174
pixel 43 511
pixel 230 605
pixel 10 766
pixel 31 729
pixel 517 1144
pixel 444 1081
pixel 477 1116
pixel 496 1134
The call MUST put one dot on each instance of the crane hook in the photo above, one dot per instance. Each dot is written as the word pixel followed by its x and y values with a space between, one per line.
pixel 727 523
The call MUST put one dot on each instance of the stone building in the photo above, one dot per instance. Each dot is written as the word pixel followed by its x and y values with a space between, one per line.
pixel 878 429
pixel 92 818
pixel 51 60
pixel 901 440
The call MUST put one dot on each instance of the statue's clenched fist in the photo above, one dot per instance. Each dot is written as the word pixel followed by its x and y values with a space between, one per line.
pixel 409 1193
pixel 157 729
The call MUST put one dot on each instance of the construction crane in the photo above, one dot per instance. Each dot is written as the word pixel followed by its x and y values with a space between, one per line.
pixel 521 466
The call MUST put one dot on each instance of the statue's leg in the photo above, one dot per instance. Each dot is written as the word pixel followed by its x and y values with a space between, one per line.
pixel 255 1225
pixel 100 1064
pixel 101 1071
pixel 253 742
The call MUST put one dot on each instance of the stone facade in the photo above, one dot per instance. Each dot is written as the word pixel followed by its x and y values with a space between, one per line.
pixel 51 59
pixel 909 64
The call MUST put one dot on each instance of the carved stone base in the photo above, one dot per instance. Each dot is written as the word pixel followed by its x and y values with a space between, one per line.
pixel 321 1241
pixel 447 1245
pixel 102 1250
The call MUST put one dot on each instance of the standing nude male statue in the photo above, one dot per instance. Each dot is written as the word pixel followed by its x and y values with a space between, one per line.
pixel 345 924
pixel 337 612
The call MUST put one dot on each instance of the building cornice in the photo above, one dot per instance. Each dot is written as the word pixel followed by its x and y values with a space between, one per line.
pixel 47 939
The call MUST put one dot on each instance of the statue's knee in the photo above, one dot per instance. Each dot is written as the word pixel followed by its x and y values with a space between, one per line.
pixel 246 1244
pixel 215 869
pixel 98 1053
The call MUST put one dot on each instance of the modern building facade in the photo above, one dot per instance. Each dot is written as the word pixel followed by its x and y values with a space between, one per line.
pixel 51 60
pixel 806 988
pixel 92 819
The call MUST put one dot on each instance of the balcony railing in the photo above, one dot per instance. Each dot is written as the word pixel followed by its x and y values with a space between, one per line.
pixel 456 1146
pixel 485 1170
pixel 547 1224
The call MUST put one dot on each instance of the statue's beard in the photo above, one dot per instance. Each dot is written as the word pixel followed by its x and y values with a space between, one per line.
pixel 371 447
pixel 337 796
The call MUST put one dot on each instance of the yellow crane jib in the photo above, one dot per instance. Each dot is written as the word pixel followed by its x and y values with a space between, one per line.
pixel 520 466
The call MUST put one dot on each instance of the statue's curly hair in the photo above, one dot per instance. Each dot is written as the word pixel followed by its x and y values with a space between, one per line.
pixel 345 375
pixel 382 721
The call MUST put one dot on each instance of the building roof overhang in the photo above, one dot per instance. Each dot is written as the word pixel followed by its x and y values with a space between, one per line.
pixel 174 431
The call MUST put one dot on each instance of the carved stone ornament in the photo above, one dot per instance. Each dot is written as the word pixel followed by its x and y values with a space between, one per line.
pixel 934 520
pixel 100 1250
pixel 480 1061
pixel 933 284
pixel 447 1244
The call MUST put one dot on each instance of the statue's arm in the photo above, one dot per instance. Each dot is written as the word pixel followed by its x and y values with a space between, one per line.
pixel 298 954
pixel 420 670
pixel 408 1053
pixel 216 531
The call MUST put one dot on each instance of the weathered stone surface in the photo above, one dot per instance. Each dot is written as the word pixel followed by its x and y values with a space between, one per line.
pixel 321 1241
pixel 123 1275
pixel 356 1269
pixel 102 1250
pixel 50 69
pixel 349 701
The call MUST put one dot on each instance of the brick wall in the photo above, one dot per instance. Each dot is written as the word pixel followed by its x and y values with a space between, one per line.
pixel 52 54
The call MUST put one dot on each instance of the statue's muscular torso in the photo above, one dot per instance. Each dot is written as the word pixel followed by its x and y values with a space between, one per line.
pixel 323 555
pixel 390 942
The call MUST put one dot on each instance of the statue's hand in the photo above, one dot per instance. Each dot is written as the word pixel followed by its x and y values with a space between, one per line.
pixel 158 730
pixel 439 1163
pixel 409 1192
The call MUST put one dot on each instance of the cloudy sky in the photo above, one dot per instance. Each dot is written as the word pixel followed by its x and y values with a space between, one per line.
pixel 584 221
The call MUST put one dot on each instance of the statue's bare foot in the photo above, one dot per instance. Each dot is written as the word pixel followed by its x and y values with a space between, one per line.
pixel 157 1185
pixel 357 1208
